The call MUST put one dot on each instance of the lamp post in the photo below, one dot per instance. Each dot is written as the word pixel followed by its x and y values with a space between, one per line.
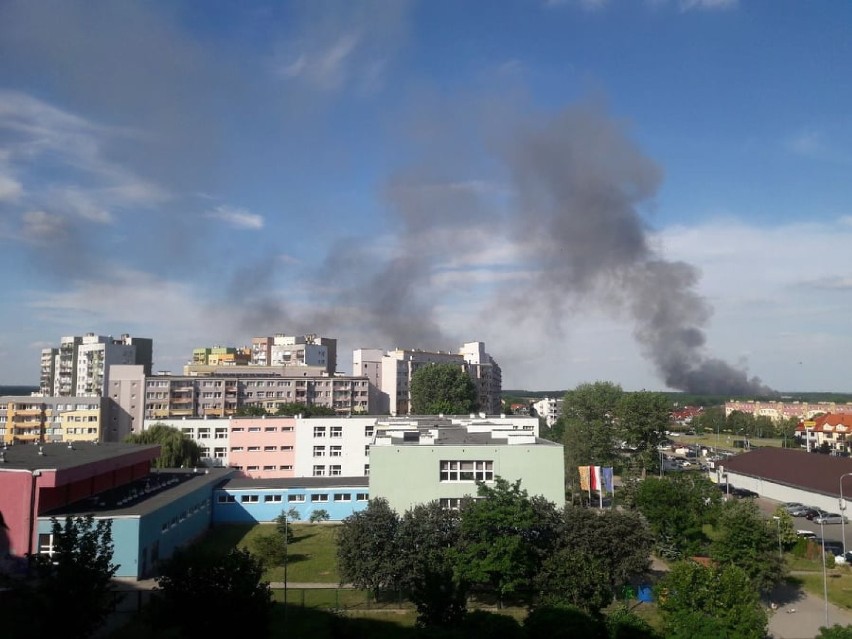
pixel 842 513
pixel 286 534
pixel 824 575
pixel 780 550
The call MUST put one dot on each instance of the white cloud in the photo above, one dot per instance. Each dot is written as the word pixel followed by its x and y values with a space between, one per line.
pixel 237 217
pixel 10 189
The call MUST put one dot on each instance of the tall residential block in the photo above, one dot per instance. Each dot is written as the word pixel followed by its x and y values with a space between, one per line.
pixel 391 374
pixel 80 367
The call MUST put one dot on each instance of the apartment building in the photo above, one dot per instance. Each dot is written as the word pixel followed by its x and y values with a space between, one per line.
pixel 550 409
pixel 221 395
pixel 81 365
pixel 778 411
pixel 33 419
pixel 279 351
pixel 391 374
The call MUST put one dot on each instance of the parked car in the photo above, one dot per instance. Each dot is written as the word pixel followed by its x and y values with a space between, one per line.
pixel 813 513
pixel 743 492
pixel 834 547
pixel 806 534
pixel 803 511
pixel 830 518
pixel 791 506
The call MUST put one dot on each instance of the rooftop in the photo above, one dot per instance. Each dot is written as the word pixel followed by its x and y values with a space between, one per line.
pixel 62 456
pixel 144 495
pixel 797 468
pixel 244 483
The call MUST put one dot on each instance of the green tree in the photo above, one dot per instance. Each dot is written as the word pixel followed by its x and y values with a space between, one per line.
pixel 194 583
pixel 622 623
pixel 562 622
pixel 589 421
pixel 745 538
pixel 366 547
pixel 835 632
pixel 710 420
pixel 642 422
pixel 292 408
pixel 271 549
pixel 504 537
pixel 319 515
pixel 574 577
pixel 425 536
pixel 676 508
pixel 176 449
pixel 442 388
pixel 250 410
pixel 621 539
pixel 707 603
pixel 74 584
pixel 283 523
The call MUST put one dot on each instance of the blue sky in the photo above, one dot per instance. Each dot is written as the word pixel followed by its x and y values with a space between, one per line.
pixel 651 192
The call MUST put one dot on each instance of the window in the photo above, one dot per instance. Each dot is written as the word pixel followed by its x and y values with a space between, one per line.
pixel 221 433
pixel 268 449
pixel 254 429
pixel 319 471
pixel 249 499
pixel 250 468
pixel 342 497
pixel 362 497
pixel 319 431
pixel 319 451
pixel 295 499
pixel 286 467
pixel 254 449
pixel 236 449
pixel 220 453
pixel 451 503
pixel 226 499
pixel 456 470
pixel 45 544
pixel 270 429
pixel 368 431
pixel 271 498
pixel 237 429
pixel 335 471
pixel 316 498
pixel 366 470
pixel 337 431
pixel 286 448
pixel 269 468
pixel 335 451
pixel 367 449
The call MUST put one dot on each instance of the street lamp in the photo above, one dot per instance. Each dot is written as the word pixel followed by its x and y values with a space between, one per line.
pixel 780 551
pixel 842 515
pixel 824 575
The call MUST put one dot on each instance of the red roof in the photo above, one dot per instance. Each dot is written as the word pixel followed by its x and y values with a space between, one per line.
pixel 828 423
pixel 797 468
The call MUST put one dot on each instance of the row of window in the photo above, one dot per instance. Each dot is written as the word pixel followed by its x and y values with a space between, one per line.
pixel 465 470
pixel 189 512
pixel 227 498
pixel 257 449
pixel 266 468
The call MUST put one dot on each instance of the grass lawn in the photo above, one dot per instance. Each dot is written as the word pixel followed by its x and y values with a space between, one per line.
pixel 839 585
pixel 313 552
pixel 725 441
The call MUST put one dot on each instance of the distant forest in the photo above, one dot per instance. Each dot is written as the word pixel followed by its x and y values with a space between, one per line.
pixel 17 390
pixel 687 399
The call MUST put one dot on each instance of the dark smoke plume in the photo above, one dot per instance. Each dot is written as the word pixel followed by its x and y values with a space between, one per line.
pixel 579 184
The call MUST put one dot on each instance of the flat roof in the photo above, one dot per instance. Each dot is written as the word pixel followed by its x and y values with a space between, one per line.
pixel 460 435
pixel 144 495
pixel 62 456
pixel 245 483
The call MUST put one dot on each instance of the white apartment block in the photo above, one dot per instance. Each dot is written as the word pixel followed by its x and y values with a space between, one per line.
pixel 550 409
pixel 391 374
pixel 80 367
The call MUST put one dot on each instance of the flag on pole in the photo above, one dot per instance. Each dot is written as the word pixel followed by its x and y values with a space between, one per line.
pixel 596 483
pixel 584 478
pixel 607 480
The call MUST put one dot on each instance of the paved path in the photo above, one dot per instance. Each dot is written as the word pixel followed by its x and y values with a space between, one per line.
pixel 800 615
